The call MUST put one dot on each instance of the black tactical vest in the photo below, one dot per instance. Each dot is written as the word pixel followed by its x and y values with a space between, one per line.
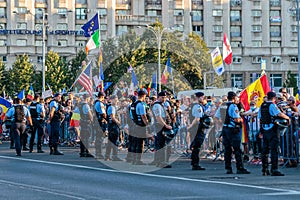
pixel 227 117
pixel 100 116
pixel 33 110
pixel 266 118
pixel 168 118
pixel 137 119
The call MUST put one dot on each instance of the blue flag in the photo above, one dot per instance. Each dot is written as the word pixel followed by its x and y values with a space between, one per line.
pixel 21 95
pixel 106 85
pixel 91 26
pixel 134 79
pixel 153 85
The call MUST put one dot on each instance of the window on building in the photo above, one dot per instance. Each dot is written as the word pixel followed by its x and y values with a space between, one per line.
pixel 197 15
pixel 217 28
pixel 275 3
pixel 22 25
pixel 22 10
pixel 235 44
pixel 61 26
pixel 81 1
pixel 121 30
pixel 275 31
pixel 78 27
pixel 275 16
pixel 81 13
pixel 275 43
pixel 198 30
pixel 125 12
pixel 235 15
pixel 217 2
pixel 39 43
pixel 2 26
pixel 217 13
pixel 39 59
pixel 275 80
pixel 294 28
pixel 217 43
pixel 257 3
pixel 294 43
pixel 235 31
pixel 2 43
pixel 62 11
pixel 275 59
pixel 237 80
pixel 62 43
pixel 254 77
pixel 122 1
pixel 235 3
pixel 2 13
pixel 256 59
pixel 178 12
pixel 58 2
pixel 103 27
pixel 3 58
pixel 102 12
pixel 256 28
pixel 80 43
pixel 294 59
pixel 256 43
pixel 256 13
pixel 237 59
pixel 178 28
pixel 21 42
pixel 153 13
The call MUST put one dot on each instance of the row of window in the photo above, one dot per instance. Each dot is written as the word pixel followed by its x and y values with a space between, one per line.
pixel 275 80
pixel 258 59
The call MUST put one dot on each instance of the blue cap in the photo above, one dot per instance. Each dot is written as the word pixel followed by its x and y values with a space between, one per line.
pixel 199 94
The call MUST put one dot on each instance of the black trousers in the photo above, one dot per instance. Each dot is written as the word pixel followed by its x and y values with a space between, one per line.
pixel 198 138
pixel 54 136
pixel 39 128
pixel 232 139
pixel 85 133
pixel 18 130
pixel 113 135
pixel 271 143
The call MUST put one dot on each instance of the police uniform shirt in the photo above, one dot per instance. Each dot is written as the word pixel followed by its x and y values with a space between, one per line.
pixel 53 104
pixel 11 112
pixel 274 111
pixel 39 109
pixel 99 107
pixel 234 113
pixel 197 111
pixel 140 109
pixel 86 109
pixel 166 104
pixel 218 113
pixel 158 110
pixel 111 110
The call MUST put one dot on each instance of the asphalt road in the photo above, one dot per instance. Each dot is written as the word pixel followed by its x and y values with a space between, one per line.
pixel 41 176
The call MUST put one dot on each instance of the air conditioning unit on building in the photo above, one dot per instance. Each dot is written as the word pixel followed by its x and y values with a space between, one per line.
pixel 238 2
pixel 63 15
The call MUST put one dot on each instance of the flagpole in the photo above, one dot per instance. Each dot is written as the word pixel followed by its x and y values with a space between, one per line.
pixel 173 82
pixel 76 79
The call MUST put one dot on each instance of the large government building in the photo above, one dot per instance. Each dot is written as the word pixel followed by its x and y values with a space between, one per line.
pixel 258 30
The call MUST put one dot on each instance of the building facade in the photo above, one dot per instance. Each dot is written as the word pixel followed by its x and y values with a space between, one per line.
pixel 258 30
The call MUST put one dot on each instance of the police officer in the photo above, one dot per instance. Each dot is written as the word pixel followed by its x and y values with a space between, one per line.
pixel 141 120
pixel 197 131
pixel 231 135
pixel 162 125
pixel 18 114
pixel 100 109
pixel 113 130
pixel 37 112
pixel 267 113
pixel 86 119
pixel 55 119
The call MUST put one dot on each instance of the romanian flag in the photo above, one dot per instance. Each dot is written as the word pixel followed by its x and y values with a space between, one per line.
pixel 75 120
pixel 101 73
pixel 5 104
pixel 167 72
pixel 297 97
pixel 255 92
pixel 30 94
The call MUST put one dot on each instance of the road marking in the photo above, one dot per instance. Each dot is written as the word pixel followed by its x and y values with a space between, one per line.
pixel 41 189
pixel 279 191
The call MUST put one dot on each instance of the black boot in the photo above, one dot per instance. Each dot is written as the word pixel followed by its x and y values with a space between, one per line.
pixel 56 152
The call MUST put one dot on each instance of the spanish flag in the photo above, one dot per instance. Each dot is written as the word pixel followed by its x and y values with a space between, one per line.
pixel 255 92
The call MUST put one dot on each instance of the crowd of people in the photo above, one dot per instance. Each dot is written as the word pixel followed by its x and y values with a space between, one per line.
pixel 191 123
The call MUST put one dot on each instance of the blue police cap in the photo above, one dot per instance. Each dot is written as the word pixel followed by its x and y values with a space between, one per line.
pixel 199 94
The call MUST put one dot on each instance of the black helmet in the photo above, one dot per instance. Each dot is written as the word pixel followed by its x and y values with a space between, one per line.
pixel 207 121
pixel 169 134
pixel 282 123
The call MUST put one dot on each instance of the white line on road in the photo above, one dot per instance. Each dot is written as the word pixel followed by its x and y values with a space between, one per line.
pixel 280 191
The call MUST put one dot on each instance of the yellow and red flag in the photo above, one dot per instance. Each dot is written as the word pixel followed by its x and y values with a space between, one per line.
pixel 255 92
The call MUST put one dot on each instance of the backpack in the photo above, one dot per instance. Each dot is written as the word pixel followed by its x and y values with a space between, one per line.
pixel 19 113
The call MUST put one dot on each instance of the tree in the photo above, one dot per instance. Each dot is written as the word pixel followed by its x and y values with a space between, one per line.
pixel 21 75
pixel 57 70
pixel 75 67
pixel 291 82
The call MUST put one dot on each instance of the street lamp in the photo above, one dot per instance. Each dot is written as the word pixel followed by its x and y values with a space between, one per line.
pixel 43 48
pixel 298 31
pixel 158 34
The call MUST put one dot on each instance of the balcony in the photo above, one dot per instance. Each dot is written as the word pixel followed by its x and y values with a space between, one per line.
pixel 135 19
pixel 235 34
pixel 275 19
pixel 275 34
pixel 196 5
pixel 3 4
pixel 275 3
pixel 123 5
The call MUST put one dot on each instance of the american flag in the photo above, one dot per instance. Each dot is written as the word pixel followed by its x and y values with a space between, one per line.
pixel 85 80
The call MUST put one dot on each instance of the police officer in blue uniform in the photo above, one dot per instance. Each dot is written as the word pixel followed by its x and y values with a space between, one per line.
pixel 86 119
pixel 18 114
pixel 100 109
pixel 197 131
pixel 139 116
pixel 37 112
pixel 267 114
pixel 113 130
pixel 231 135
pixel 55 119
pixel 162 126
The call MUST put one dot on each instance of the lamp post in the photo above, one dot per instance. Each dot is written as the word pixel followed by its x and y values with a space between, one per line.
pixel 43 49
pixel 298 31
pixel 158 34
